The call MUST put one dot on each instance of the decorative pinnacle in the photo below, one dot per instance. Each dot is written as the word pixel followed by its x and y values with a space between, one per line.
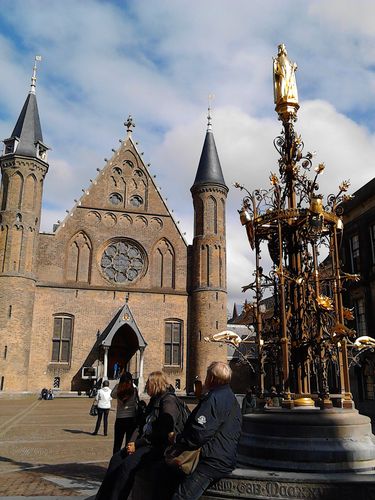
pixel 33 78
pixel 209 118
pixel 129 124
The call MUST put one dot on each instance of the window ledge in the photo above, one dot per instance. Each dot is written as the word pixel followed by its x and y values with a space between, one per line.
pixel 59 364
pixel 173 368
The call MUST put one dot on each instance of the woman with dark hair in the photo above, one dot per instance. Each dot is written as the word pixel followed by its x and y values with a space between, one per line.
pixel 127 397
pixel 163 416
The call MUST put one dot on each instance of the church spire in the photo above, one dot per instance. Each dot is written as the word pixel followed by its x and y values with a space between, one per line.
pixel 27 138
pixel 209 168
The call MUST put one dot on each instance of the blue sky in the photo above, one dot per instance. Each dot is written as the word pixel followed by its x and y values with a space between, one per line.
pixel 159 60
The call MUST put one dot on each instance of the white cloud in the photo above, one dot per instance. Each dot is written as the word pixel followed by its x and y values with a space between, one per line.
pixel 159 60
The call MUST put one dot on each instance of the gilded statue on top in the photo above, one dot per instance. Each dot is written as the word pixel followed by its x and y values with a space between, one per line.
pixel 284 78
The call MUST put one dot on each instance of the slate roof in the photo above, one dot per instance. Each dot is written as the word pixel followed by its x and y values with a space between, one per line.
pixel 28 129
pixel 209 168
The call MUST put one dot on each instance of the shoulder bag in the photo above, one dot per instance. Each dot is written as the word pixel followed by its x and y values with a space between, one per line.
pixel 94 409
pixel 181 458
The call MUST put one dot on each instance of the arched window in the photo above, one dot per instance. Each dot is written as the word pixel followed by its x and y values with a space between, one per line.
pixel 62 338
pixel 16 247
pixel 29 198
pixel 15 191
pixel 173 343
pixel 211 215
pixel 199 215
pixel 220 267
pixel 3 245
pixel 29 250
pixel 135 180
pixel 4 194
pixel 79 258
pixel 221 216
pixel 164 265
pixel 205 265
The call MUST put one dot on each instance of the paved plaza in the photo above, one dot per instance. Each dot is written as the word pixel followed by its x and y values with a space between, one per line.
pixel 47 450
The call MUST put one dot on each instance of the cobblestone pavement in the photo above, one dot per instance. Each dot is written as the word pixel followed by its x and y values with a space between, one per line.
pixel 47 449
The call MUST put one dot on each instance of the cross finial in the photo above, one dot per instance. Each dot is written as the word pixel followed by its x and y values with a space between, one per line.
pixel 209 122
pixel 33 78
pixel 129 124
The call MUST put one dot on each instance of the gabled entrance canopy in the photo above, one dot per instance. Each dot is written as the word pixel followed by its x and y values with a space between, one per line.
pixel 123 317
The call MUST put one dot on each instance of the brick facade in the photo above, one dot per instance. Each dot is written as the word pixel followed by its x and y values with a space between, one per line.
pixel 61 292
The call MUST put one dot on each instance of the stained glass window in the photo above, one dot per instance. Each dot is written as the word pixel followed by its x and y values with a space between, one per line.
pixel 122 262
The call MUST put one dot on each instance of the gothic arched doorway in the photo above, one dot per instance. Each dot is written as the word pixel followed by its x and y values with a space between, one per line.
pixel 123 342
pixel 123 347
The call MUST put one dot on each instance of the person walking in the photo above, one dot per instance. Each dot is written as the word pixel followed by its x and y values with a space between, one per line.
pixel 127 400
pixel 214 426
pixel 103 399
pixel 116 370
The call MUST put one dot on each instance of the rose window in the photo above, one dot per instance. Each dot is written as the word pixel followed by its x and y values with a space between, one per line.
pixel 122 262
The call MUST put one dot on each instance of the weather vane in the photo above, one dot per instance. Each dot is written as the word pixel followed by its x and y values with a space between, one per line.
pixel 33 78
pixel 209 118
pixel 129 124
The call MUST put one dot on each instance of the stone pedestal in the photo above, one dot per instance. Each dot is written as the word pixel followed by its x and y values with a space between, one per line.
pixel 311 440
pixel 299 454
pixel 276 485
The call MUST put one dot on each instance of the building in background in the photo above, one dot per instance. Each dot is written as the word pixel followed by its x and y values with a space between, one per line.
pixel 114 285
pixel 358 254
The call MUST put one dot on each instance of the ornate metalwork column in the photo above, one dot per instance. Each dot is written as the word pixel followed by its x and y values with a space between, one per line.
pixel 307 331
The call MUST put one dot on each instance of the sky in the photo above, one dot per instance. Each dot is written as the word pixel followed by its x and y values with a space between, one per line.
pixel 158 61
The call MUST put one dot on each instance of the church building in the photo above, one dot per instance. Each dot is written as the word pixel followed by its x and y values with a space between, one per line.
pixel 115 283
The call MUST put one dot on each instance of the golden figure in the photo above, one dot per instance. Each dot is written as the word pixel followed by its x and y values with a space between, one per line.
pixel 364 341
pixel 226 336
pixel 325 303
pixel 284 78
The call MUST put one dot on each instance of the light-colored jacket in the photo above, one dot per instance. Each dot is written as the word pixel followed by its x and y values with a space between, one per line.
pixel 127 409
pixel 104 398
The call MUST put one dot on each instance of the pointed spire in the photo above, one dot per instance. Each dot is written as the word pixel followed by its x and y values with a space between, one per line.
pixel 27 138
pixel 235 313
pixel 209 168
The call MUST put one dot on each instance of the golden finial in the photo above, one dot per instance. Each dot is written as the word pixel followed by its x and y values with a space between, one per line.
pixel 284 85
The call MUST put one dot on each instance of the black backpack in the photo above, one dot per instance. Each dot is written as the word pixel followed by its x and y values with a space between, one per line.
pixel 183 415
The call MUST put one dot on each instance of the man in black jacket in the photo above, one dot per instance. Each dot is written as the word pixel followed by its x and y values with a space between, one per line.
pixel 215 427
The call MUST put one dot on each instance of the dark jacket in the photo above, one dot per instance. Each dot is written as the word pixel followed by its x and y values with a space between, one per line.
pixel 162 417
pixel 249 403
pixel 215 427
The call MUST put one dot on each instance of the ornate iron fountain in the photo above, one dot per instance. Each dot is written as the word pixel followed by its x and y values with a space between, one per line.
pixel 295 221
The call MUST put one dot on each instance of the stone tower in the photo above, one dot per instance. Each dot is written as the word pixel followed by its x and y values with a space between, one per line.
pixel 23 168
pixel 208 296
